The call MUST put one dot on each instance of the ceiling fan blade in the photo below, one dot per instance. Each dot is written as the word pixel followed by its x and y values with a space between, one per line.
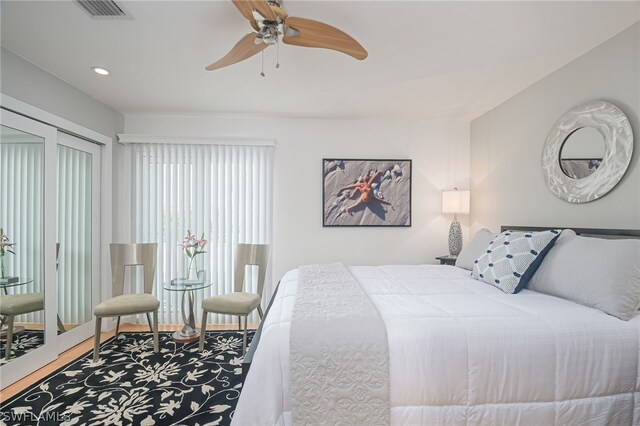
pixel 310 33
pixel 244 49
pixel 246 7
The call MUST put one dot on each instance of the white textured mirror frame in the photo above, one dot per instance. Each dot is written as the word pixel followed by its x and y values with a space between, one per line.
pixel 616 131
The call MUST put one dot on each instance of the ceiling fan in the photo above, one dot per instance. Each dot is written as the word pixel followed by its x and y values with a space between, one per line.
pixel 271 22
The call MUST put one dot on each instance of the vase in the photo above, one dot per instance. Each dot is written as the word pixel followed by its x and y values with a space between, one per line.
pixel 192 271
pixel 1 266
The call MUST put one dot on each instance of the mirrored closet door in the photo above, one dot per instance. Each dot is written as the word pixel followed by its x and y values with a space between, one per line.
pixel 27 245
pixel 50 192
pixel 78 236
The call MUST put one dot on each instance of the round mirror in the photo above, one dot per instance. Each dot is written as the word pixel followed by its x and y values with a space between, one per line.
pixel 582 153
pixel 597 132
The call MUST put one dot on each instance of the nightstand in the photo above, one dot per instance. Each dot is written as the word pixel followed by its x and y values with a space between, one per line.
pixel 447 259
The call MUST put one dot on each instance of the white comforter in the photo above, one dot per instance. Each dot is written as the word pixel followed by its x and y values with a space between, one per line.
pixel 463 352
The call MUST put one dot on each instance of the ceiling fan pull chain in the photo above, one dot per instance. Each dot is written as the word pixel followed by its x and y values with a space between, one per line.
pixel 262 73
pixel 278 54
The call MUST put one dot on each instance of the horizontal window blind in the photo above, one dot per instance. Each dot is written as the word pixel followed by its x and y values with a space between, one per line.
pixel 223 191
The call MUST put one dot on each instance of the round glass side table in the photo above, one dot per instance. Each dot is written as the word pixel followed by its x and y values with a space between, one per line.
pixel 189 332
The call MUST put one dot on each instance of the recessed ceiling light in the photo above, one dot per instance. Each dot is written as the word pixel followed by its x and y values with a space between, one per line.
pixel 99 70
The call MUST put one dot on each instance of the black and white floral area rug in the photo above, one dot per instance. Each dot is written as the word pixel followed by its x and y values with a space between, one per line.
pixel 132 385
pixel 23 342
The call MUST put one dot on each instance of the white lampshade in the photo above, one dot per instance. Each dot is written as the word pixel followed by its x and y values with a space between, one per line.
pixel 455 202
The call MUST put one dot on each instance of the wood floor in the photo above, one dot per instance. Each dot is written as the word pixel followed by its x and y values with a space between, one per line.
pixel 78 350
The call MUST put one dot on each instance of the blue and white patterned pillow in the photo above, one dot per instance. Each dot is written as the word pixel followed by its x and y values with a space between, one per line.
pixel 512 258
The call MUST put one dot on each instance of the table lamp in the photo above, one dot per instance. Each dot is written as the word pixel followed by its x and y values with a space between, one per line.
pixel 456 202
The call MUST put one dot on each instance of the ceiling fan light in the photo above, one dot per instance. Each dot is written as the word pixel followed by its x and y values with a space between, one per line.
pixel 266 31
pixel 268 35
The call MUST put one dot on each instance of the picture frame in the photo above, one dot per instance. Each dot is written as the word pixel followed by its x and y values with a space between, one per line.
pixel 366 192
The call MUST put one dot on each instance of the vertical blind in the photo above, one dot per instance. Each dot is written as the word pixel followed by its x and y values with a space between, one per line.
pixel 21 209
pixel 74 235
pixel 223 191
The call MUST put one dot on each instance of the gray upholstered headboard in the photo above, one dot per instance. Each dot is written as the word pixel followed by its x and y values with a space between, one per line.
pixel 585 232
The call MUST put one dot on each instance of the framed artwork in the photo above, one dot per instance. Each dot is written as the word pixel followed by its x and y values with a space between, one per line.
pixel 366 192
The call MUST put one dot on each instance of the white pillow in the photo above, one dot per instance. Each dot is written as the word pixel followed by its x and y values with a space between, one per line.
pixel 474 248
pixel 603 274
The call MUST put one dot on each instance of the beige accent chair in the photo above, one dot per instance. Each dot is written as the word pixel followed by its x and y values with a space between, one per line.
pixel 12 305
pixel 239 303
pixel 123 255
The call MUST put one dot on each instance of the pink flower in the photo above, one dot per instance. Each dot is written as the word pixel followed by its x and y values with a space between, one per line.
pixel 192 245
pixel 5 243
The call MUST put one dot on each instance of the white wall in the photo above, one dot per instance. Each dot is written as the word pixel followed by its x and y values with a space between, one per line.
pixel 506 144
pixel 440 154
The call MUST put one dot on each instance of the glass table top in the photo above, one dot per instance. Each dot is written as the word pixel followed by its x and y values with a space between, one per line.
pixel 182 284
pixel 5 283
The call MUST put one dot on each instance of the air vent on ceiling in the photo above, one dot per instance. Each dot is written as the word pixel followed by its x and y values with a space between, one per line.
pixel 102 8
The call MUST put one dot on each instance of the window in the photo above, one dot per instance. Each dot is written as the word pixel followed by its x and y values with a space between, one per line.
pixel 223 191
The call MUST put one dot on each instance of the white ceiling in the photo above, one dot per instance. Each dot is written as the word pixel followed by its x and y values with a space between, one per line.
pixel 426 59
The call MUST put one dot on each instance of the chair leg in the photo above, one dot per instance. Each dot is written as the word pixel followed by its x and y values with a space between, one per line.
pixel 156 344
pixel 96 340
pixel 117 326
pixel 61 328
pixel 7 347
pixel 149 321
pixel 203 330
pixel 260 311
pixel 244 338
pixel 239 323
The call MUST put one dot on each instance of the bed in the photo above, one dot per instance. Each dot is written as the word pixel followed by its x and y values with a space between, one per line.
pixel 463 352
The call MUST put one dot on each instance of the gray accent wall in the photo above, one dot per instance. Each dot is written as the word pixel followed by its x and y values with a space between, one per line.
pixel 507 185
